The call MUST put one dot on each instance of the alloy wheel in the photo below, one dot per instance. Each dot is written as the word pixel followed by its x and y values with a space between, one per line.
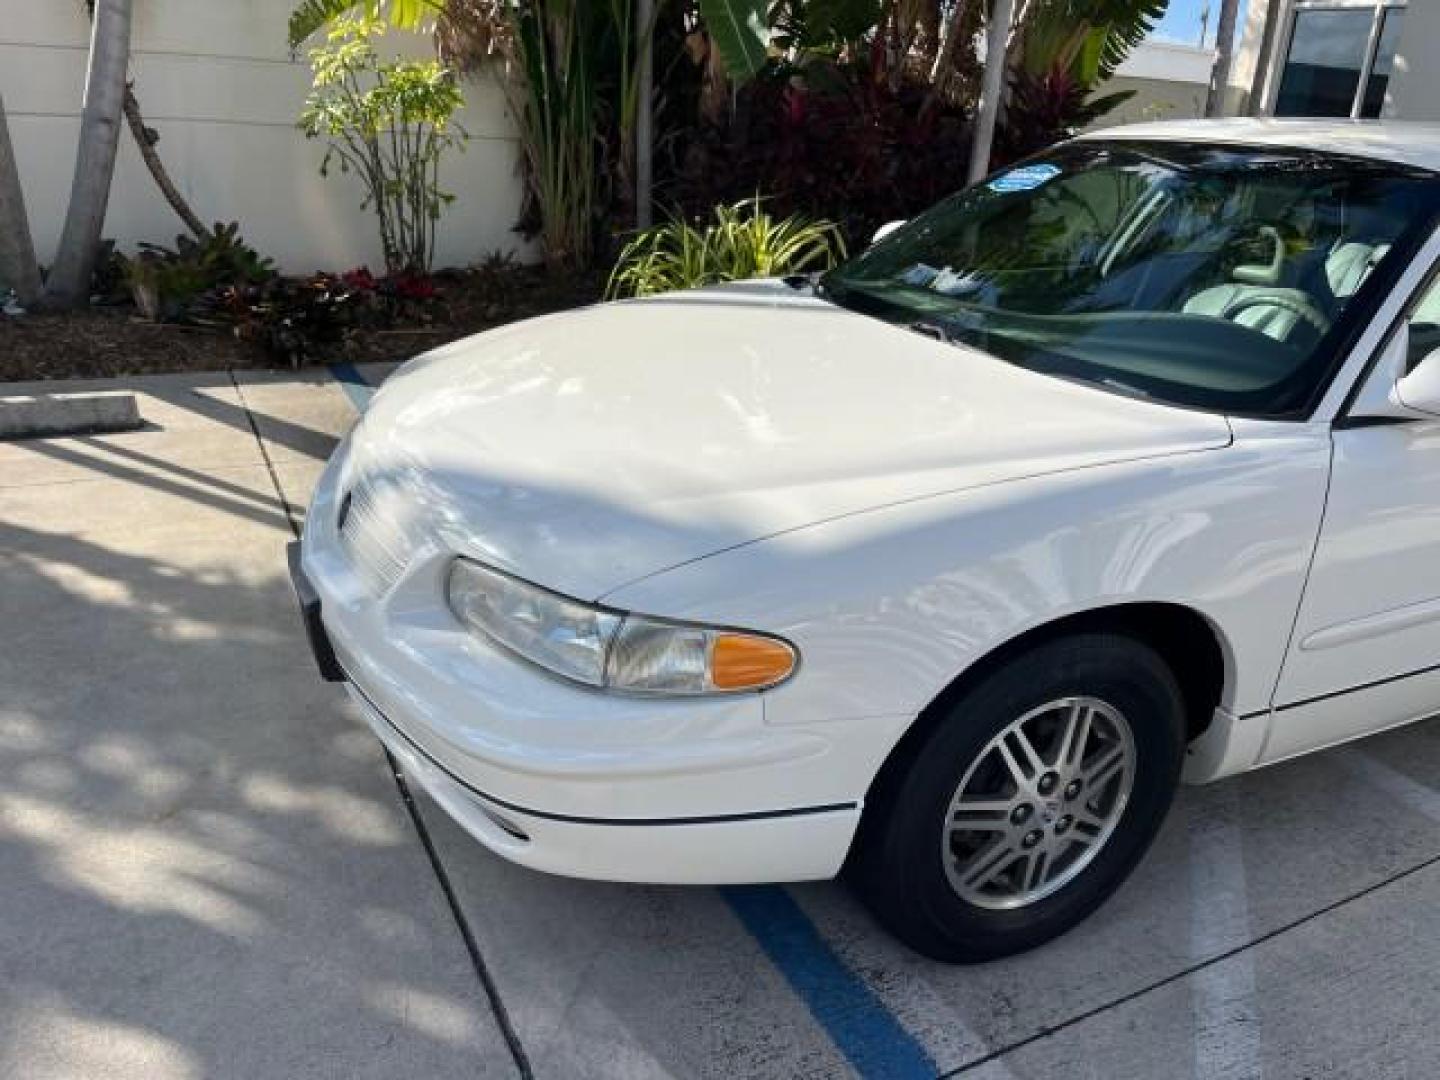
pixel 1037 805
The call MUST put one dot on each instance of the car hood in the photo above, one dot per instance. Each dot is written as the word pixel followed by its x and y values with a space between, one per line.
pixel 586 450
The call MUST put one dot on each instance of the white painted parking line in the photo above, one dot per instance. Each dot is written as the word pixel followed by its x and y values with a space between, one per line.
pixel 1419 797
pixel 1227 1022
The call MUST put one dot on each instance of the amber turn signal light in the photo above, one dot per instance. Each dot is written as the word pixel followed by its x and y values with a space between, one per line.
pixel 747 662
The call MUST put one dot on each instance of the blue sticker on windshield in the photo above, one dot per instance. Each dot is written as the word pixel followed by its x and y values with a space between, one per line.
pixel 1024 178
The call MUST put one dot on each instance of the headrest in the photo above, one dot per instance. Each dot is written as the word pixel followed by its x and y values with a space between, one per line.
pixel 1350 264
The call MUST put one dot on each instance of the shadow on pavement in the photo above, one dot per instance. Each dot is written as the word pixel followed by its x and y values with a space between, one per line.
pixel 204 870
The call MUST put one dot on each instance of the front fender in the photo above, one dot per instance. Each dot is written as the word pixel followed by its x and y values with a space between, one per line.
pixel 889 606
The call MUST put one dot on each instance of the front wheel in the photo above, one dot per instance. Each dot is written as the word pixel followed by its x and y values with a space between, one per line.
pixel 1030 800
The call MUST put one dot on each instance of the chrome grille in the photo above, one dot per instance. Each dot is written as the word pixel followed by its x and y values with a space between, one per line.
pixel 374 533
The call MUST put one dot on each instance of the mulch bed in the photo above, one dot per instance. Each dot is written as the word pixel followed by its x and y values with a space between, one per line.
pixel 106 341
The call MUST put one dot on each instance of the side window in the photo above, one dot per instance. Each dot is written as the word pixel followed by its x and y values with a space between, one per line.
pixel 1425 325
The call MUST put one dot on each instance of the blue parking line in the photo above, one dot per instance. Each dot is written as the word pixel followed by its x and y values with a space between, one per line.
pixel 353 383
pixel 858 1023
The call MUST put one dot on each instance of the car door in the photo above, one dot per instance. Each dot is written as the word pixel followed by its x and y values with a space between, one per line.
pixel 1365 652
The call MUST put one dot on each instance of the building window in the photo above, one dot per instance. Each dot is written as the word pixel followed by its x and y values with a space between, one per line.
pixel 1340 58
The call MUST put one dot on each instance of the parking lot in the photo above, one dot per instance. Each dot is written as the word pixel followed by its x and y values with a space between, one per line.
pixel 207 868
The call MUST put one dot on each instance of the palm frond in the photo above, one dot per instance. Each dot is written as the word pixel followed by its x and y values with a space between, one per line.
pixel 1128 23
pixel 312 16
pixel 741 32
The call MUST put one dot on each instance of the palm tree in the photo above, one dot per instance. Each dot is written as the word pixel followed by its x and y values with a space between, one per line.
pixel 69 280
pixel 18 268
pixel 1224 48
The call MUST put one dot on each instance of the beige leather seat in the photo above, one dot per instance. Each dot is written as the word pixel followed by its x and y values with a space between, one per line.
pixel 1272 321
pixel 1350 264
pixel 1346 268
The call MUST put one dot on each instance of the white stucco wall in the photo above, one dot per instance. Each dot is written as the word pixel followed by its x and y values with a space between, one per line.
pixel 1414 90
pixel 1169 80
pixel 215 78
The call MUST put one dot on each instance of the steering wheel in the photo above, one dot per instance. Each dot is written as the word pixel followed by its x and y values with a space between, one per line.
pixel 1285 302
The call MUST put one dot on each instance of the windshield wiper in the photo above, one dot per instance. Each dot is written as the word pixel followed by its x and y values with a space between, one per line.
pixel 931 330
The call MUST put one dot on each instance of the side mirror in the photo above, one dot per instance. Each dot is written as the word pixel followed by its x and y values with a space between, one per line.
pixel 1420 390
pixel 885 230
pixel 1392 393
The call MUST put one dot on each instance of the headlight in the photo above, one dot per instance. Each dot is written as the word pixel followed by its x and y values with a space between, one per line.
pixel 615 650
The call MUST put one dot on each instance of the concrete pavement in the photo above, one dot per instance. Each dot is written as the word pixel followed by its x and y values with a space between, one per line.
pixel 205 869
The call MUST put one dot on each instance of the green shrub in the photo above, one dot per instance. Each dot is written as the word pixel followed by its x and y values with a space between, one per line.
pixel 390 122
pixel 741 241
pixel 166 281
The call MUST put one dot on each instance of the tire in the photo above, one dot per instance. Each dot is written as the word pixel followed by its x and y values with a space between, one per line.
pixel 918 873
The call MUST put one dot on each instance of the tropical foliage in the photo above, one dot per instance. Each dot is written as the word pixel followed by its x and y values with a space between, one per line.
pixel 831 141
pixel 390 122
pixel 563 54
pixel 1063 51
pixel 740 241
pixel 313 16
pixel 740 31
pixel 1087 38
pixel 165 282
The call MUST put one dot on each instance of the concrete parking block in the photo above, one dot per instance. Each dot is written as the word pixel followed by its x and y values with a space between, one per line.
pixel 29 416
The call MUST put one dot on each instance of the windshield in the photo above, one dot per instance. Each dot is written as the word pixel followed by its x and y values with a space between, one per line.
pixel 1198 275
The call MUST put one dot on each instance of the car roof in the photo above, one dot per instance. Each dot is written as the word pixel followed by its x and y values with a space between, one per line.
pixel 1409 142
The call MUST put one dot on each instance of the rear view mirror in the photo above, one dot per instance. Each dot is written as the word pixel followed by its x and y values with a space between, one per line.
pixel 885 230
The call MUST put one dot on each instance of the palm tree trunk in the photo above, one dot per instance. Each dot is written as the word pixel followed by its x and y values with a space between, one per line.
pixel 145 141
pixel 1274 16
pixel 18 268
pixel 645 114
pixel 1224 49
pixel 992 87
pixel 69 280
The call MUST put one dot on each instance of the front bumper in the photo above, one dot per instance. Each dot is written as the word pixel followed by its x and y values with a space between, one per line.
pixel 799 846
pixel 569 780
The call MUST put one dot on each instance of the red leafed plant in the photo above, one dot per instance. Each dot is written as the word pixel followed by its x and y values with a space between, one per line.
pixel 832 143
pixel 1046 108
pixel 359 279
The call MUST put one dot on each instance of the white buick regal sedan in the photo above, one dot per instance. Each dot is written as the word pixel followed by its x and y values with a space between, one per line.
pixel 942 567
